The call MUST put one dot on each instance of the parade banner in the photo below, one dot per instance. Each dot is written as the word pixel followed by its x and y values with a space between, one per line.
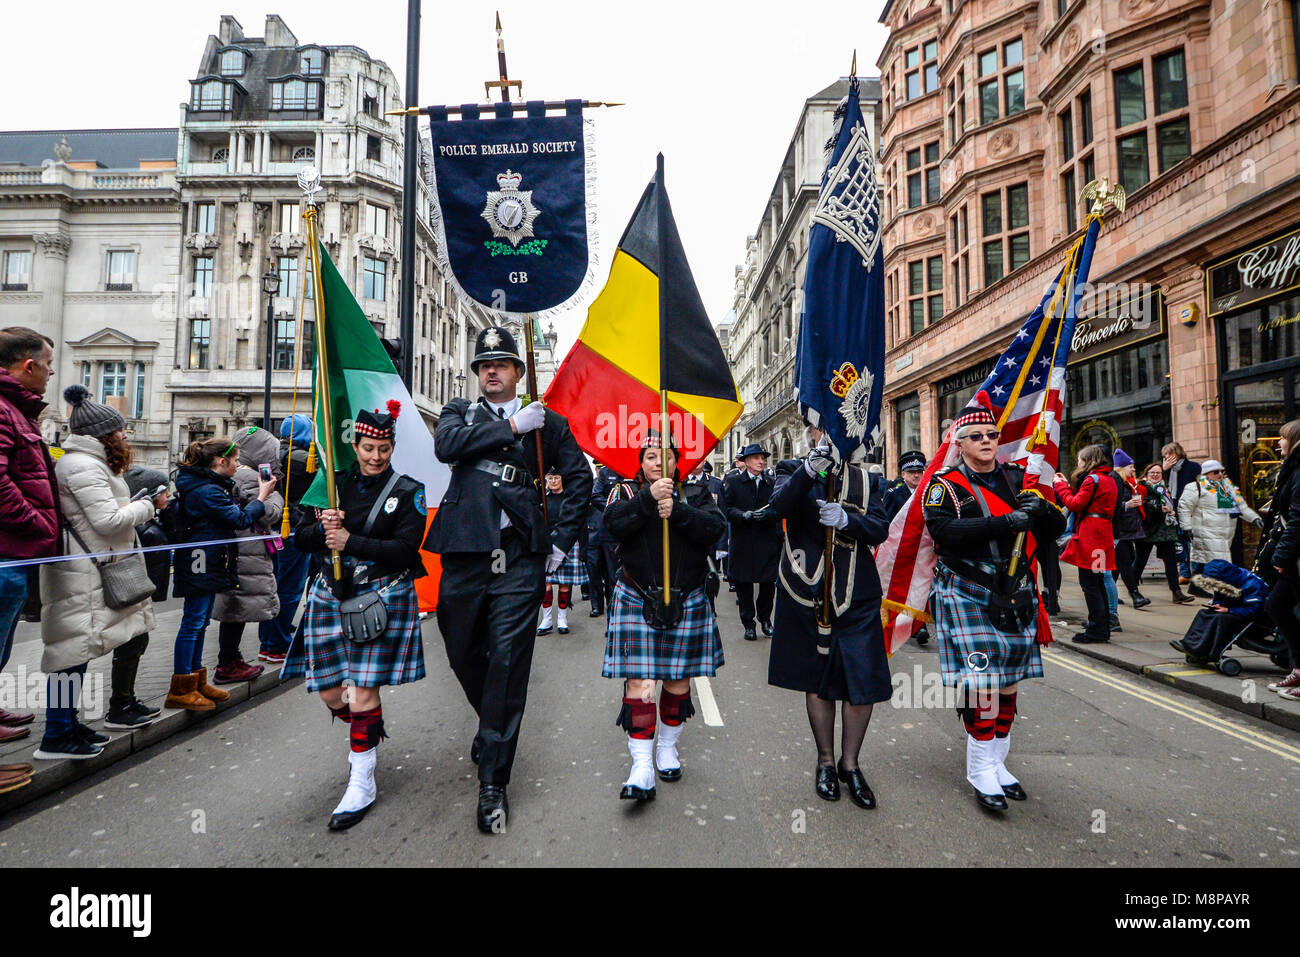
pixel 839 366
pixel 362 376
pixel 513 205
pixel 647 331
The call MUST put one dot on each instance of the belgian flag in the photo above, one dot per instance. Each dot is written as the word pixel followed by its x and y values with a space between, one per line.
pixel 647 331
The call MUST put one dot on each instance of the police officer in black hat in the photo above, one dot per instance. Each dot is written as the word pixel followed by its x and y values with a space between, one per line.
pixel 496 549
pixel 755 547
pixel 911 466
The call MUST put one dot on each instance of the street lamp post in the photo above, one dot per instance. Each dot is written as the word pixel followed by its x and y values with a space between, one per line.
pixel 270 286
pixel 460 384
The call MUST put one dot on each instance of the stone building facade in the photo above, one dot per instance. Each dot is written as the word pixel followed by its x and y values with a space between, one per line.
pixel 996 114
pixel 763 333
pixel 89 222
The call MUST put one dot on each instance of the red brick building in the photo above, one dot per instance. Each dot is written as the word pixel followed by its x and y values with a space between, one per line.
pixel 996 113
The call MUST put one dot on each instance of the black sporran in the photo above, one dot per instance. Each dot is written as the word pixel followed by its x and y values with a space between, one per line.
pixel 656 613
pixel 1012 613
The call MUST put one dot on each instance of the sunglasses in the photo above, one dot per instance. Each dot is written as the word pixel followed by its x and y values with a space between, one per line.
pixel 981 436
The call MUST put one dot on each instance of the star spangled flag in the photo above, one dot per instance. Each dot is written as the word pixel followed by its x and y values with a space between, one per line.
pixel 362 376
pixel 1024 393
pixel 839 368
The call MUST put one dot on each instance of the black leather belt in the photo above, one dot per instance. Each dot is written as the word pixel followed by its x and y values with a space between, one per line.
pixel 510 474
pixel 982 573
pixel 1096 515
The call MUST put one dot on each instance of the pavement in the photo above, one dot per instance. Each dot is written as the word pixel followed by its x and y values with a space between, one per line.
pixel 1120 770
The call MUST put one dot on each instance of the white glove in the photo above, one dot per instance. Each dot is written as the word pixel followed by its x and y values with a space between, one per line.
pixel 719 555
pixel 819 460
pixel 529 417
pixel 832 514
pixel 555 560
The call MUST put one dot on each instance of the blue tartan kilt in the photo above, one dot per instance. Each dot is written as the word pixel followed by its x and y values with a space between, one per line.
pixel 327 659
pixel 572 571
pixel 972 653
pixel 633 649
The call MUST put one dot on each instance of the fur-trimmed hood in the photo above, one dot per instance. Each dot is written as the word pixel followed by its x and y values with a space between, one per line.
pixel 1216 586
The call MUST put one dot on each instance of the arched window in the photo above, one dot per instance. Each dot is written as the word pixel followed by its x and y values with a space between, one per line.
pixel 221 154
pixel 304 154
pixel 232 63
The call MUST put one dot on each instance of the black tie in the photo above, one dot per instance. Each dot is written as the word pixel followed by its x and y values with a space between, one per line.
pixel 501 413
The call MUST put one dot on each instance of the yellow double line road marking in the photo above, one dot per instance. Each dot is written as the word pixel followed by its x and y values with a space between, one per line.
pixel 1254 738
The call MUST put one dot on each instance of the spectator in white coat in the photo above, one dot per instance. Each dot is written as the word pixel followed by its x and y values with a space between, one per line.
pixel 1208 510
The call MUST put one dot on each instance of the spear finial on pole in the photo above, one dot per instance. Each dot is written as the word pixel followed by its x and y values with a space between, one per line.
pixel 504 83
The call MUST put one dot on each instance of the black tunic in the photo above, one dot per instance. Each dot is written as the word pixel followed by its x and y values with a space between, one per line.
pixel 755 546
pixel 633 521
pixel 393 545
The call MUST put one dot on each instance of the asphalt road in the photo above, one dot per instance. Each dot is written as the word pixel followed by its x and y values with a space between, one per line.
pixel 1119 773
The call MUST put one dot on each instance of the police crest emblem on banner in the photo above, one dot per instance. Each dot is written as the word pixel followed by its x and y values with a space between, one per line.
pixel 513 208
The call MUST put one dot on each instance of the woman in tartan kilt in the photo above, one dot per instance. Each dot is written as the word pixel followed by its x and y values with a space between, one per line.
pixel 647 641
pixel 989 625
pixel 377 528
pixel 572 571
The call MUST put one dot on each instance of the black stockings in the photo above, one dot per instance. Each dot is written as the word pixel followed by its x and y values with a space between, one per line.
pixel 854 720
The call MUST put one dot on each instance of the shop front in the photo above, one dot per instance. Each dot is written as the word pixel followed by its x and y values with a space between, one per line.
pixel 1117 380
pixel 1254 301
pixel 956 391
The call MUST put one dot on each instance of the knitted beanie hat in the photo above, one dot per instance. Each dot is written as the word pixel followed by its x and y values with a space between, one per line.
pixel 88 416
pixel 1122 459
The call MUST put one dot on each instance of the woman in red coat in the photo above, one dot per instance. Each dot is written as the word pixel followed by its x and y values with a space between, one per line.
pixel 1092 549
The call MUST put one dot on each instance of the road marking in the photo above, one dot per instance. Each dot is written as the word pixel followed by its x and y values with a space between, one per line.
pixel 1187 673
pixel 712 716
pixel 1253 738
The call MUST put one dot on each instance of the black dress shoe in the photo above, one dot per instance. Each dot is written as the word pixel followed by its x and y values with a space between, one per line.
pixel 345 819
pixel 991 802
pixel 859 790
pixel 493 808
pixel 595 612
pixel 767 628
pixel 1140 600
pixel 828 785
pixel 631 792
pixel 1015 792
pixel 475 749
pixel 751 635
pixel 669 774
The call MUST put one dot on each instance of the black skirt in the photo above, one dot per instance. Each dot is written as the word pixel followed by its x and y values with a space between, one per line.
pixel 856 670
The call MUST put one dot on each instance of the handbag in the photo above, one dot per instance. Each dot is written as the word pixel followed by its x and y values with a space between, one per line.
pixel 364 617
pixel 125 580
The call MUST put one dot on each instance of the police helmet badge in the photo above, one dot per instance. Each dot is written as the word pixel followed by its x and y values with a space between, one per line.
pixel 492 338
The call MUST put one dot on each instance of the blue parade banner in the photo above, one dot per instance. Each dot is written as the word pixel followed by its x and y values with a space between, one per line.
pixel 511 209
pixel 840 364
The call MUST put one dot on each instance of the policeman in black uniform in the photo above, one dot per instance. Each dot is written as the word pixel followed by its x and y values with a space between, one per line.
pixel 496 549
pixel 755 547
pixel 911 466
pixel 601 572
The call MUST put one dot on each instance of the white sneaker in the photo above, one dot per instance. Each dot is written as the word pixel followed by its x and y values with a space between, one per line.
pixel 361 792
pixel 666 758
pixel 562 621
pixel 640 784
pixel 545 627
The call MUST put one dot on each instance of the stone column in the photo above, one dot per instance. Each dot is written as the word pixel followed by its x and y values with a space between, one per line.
pixel 258 156
pixel 1193 367
pixel 230 153
pixel 49 274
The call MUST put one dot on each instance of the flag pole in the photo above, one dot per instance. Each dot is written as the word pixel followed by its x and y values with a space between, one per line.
pixel 311 185
pixel 534 397
pixel 665 432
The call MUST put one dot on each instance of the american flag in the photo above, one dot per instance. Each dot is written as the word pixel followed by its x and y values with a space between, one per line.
pixel 1024 393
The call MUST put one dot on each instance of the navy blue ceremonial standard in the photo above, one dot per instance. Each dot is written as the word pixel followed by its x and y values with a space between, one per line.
pixel 510 204
pixel 839 369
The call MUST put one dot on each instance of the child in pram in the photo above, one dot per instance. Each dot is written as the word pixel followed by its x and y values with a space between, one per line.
pixel 1236 616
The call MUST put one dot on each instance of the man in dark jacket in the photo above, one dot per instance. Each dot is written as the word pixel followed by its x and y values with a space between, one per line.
pixel 1180 474
pixel 911 466
pixel 29 512
pixel 291 565
pixel 602 568
pixel 496 547
pixel 755 546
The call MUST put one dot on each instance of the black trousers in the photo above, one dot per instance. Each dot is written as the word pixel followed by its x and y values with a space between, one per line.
pixel 1126 564
pixel 745 596
pixel 1281 607
pixel 1094 593
pixel 487 614
pixel 1167 552
pixel 600 573
pixel 126 663
pixel 229 635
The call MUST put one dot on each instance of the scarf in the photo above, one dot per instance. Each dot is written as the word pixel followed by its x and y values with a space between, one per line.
pixel 1133 484
pixel 1225 500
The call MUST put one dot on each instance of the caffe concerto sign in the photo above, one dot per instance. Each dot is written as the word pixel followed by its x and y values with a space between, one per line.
pixel 1118 325
pixel 1260 272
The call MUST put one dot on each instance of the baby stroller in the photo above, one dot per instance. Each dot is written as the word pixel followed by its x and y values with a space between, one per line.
pixel 1244 625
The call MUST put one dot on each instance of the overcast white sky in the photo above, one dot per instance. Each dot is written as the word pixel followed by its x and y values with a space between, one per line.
pixel 715 85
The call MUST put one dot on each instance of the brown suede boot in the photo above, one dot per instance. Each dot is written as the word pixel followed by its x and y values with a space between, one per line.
pixel 183 695
pixel 207 690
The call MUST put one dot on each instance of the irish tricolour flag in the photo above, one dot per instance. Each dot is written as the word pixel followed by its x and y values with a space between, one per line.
pixel 361 376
